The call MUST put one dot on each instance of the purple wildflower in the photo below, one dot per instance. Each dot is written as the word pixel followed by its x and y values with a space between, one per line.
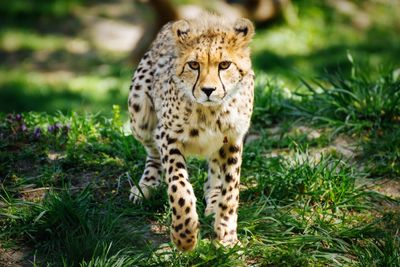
pixel 50 128
pixel 37 133
pixel 23 127
pixel 18 117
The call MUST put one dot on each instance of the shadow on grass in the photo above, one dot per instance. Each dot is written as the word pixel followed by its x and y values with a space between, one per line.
pixel 61 81
pixel 62 60
pixel 19 96
pixel 379 48
pixel 16 97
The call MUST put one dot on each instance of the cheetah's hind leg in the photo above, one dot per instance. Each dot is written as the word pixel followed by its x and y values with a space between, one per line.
pixel 143 121
pixel 151 177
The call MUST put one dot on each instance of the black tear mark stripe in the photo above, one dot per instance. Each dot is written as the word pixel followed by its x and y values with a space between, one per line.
pixel 197 79
pixel 183 69
pixel 223 86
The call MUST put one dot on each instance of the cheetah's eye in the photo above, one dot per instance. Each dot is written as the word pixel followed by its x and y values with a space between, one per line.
pixel 224 65
pixel 194 65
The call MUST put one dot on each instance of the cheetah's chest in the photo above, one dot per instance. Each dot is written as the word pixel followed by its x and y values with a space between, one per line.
pixel 205 143
pixel 206 132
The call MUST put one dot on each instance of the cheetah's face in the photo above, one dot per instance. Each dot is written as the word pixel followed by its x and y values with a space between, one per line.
pixel 211 65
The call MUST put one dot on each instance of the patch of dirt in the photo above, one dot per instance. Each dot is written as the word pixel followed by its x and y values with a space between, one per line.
pixel 158 234
pixel 15 258
pixel 387 187
pixel 343 145
pixel 83 179
pixel 34 194
pixel 310 132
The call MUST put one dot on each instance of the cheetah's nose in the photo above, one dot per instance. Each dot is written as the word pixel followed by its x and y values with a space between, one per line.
pixel 208 90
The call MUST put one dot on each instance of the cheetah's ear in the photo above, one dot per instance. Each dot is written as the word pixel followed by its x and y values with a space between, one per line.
pixel 181 31
pixel 244 31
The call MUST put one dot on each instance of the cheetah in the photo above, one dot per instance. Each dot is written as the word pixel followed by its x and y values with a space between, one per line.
pixel 192 94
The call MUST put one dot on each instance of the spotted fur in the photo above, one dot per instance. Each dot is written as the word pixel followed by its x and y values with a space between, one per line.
pixel 192 93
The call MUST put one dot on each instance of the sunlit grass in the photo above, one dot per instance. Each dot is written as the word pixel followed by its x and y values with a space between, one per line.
pixel 14 39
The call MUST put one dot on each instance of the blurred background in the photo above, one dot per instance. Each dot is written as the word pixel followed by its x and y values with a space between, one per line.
pixel 79 55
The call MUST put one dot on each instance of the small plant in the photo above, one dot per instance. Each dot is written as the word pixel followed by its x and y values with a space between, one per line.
pixel 381 152
pixel 353 103
pixel 268 102
pixel 67 225
pixel 107 259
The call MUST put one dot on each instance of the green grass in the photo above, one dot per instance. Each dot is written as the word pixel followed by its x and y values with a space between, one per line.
pixel 355 103
pixel 295 210
pixel 381 152
pixel 69 227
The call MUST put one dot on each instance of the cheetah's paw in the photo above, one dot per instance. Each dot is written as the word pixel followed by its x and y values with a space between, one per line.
pixel 210 210
pixel 137 195
pixel 229 243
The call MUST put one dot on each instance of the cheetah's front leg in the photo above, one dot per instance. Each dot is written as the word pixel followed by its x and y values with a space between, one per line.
pixel 182 200
pixel 230 159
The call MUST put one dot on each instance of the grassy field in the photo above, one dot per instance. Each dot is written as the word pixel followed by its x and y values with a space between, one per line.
pixel 321 168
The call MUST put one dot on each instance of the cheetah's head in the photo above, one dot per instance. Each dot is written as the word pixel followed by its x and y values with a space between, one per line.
pixel 213 57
